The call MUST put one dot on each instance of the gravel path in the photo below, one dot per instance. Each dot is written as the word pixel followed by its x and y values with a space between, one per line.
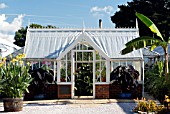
pixel 53 108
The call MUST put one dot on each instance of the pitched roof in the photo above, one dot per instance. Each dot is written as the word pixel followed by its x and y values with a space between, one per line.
pixel 7 47
pixel 52 43
pixel 148 53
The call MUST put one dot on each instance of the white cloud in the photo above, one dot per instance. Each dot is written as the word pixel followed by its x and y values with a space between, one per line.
pixel 101 11
pixel 7 29
pixel 3 5
pixel 10 27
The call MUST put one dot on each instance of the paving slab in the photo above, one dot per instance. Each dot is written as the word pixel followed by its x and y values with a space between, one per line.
pixel 71 106
pixel 101 101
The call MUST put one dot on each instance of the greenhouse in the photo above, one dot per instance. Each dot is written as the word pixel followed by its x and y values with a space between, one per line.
pixel 83 61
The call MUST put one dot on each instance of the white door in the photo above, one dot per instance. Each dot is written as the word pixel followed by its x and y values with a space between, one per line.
pixel 82 57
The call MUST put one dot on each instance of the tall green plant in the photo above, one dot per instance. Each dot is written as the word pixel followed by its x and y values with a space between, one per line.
pixel 14 77
pixel 155 82
pixel 84 80
pixel 153 42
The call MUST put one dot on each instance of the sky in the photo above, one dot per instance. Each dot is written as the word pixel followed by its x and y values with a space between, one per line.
pixel 15 14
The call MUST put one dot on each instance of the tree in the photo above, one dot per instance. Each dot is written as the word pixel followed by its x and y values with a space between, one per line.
pixel 156 10
pixel 20 35
pixel 143 41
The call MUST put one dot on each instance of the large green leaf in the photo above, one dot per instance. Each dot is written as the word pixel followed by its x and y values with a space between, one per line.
pixel 169 40
pixel 145 40
pixel 140 42
pixel 149 24
pixel 127 50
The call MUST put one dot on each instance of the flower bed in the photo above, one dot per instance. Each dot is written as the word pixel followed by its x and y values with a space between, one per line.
pixel 146 107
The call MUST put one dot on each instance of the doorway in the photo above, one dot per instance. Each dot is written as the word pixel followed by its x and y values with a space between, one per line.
pixel 83 74
pixel 84 79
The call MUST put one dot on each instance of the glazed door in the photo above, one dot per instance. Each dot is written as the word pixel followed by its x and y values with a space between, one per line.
pixel 83 73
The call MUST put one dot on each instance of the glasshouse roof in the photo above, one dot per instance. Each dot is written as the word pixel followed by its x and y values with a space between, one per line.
pixel 7 47
pixel 160 50
pixel 52 43
pixel 148 53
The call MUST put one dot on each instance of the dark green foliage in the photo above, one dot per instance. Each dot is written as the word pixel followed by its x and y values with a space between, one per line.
pixel 156 10
pixel 84 80
pixel 41 78
pixel 20 35
pixel 155 82
pixel 14 77
pixel 35 26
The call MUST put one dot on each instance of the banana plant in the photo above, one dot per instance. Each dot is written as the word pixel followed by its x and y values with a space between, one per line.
pixel 153 42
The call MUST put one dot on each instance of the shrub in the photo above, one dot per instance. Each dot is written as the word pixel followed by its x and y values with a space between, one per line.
pixel 155 82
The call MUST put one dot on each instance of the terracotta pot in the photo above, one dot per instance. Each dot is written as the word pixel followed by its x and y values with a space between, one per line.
pixel 103 79
pixel 13 104
pixel 63 80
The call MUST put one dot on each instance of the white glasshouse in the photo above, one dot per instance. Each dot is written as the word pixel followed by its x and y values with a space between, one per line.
pixel 7 47
pixel 64 49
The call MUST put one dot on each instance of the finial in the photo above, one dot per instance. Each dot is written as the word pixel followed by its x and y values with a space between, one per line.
pixel 83 28
pixel 28 23
pixel 136 23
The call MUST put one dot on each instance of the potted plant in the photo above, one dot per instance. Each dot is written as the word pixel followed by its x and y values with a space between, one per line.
pixel 63 75
pixel 103 73
pixel 14 82
pixel 42 77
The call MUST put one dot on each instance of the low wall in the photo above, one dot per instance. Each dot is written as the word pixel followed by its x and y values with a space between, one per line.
pixel 50 92
pixel 102 91
pixel 64 91
pixel 115 91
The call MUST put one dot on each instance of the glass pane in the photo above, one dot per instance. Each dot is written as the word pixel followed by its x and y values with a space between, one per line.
pixel 85 56
pixel 35 65
pixel 137 66
pixel 123 63
pixel 63 71
pixel 115 64
pixel 98 72
pixel 47 65
pixel 68 71
pixel 84 47
pixel 69 55
pixel 79 56
pixel 56 72
pixel 97 56
pixel 129 63
pixel 64 58
pixel 90 56
pixel 102 58
pixel 90 48
pixel 103 71
pixel 63 75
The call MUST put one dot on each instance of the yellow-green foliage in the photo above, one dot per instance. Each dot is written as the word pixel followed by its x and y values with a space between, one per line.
pixel 14 77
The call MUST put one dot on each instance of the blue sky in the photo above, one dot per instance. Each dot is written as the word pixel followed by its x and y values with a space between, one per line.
pixel 60 13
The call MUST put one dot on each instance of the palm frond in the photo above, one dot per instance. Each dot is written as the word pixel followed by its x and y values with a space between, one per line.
pixel 169 40
pixel 145 40
pixel 140 42
pixel 156 44
pixel 127 50
pixel 153 47
pixel 149 24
